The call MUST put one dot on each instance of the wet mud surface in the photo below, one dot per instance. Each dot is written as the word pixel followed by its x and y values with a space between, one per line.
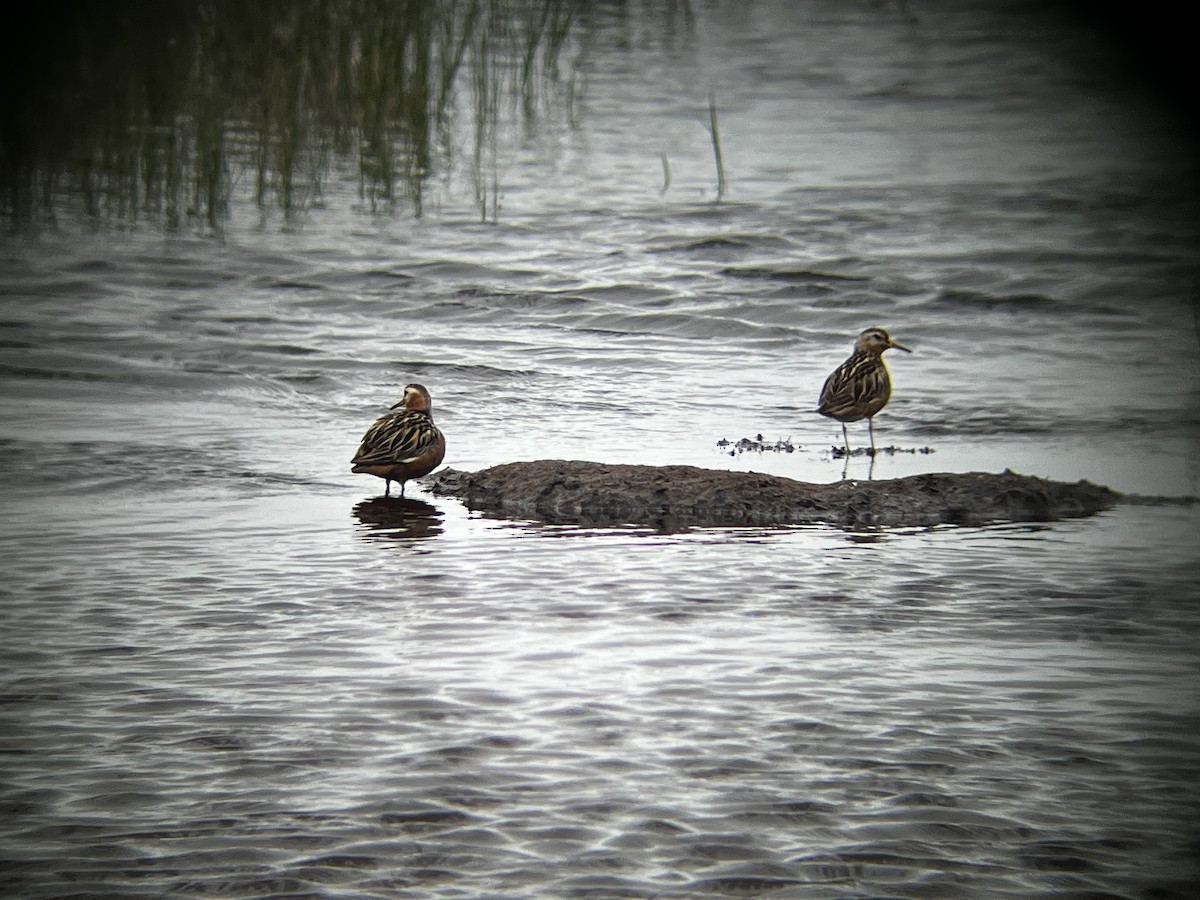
pixel 681 496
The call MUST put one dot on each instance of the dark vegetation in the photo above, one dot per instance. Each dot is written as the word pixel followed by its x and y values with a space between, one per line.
pixel 164 109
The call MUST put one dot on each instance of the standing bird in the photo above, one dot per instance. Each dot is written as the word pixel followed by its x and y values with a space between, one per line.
pixel 402 445
pixel 860 387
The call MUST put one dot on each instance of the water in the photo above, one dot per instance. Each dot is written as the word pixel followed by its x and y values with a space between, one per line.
pixel 230 668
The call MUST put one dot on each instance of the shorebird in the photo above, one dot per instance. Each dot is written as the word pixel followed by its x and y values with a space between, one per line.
pixel 404 444
pixel 860 387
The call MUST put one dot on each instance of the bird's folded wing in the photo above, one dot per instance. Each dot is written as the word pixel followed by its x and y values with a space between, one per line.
pixel 853 383
pixel 397 438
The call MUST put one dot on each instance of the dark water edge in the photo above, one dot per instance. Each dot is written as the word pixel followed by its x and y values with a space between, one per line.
pixel 178 115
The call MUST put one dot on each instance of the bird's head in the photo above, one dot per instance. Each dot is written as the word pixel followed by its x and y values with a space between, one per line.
pixel 415 398
pixel 876 340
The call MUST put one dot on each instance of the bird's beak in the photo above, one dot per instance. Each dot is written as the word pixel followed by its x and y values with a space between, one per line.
pixel 896 346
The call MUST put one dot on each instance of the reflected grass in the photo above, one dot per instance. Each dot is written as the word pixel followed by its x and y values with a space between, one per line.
pixel 172 111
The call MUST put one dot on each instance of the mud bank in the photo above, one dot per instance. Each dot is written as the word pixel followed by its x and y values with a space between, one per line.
pixel 589 493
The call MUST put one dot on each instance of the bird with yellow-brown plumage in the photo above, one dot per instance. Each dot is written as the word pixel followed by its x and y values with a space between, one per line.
pixel 404 443
pixel 860 387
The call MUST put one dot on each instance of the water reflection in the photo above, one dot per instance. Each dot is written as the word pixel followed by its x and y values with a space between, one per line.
pixel 169 112
pixel 397 518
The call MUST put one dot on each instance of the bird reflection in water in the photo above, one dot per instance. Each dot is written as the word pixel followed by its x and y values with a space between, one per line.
pixel 395 518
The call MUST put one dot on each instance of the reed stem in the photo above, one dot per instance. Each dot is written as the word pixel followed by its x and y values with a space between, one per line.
pixel 716 142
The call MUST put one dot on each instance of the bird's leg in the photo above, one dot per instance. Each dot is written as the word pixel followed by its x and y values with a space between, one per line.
pixel 846 440
pixel 387 490
pixel 871 431
pixel 402 484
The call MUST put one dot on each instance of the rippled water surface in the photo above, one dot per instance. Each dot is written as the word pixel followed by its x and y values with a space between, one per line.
pixel 232 668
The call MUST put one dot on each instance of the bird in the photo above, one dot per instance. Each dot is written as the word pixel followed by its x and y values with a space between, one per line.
pixel 402 444
pixel 860 387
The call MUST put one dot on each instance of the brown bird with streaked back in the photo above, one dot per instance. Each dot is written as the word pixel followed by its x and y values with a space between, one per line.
pixel 404 444
pixel 860 387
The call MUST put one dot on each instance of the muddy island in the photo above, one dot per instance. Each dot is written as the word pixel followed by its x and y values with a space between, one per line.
pixel 670 497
